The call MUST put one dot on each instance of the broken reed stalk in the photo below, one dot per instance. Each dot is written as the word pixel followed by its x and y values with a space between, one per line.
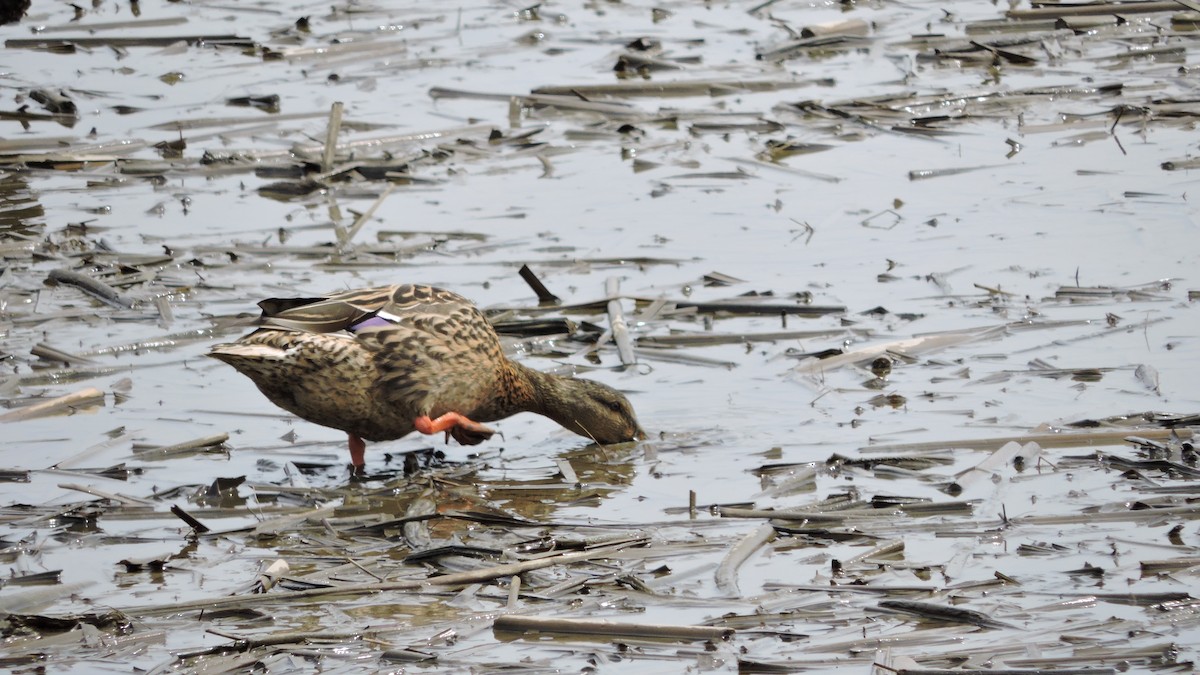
pixel 655 89
pixel 1054 11
pixel 83 397
pixel 997 460
pixel 1066 439
pixel 165 314
pixel 196 525
pixel 93 287
pixel 1192 511
pixel 331 136
pixel 883 550
pixel 164 451
pixel 544 296
pixel 616 322
pixel 802 478
pixel 52 353
pixel 726 574
pixel 95 26
pixel 914 346
pixel 551 626
pixel 929 610
pixel 815 517
pixel 245 644
pixel 567 471
pixel 110 496
pixel 455 579
pixel 514 591
pixel 1170 565
pixel 14 602
pixel 123 41
pixel 364 217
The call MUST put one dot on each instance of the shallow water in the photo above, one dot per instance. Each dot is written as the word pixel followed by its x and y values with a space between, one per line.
pixel 658 204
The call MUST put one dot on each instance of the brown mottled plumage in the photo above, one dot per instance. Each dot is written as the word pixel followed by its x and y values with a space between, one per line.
pixel 379 363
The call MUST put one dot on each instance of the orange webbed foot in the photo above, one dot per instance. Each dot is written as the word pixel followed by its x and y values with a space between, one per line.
pixel 465 431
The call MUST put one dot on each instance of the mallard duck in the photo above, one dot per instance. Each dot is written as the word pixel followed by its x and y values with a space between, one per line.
pixel 379 363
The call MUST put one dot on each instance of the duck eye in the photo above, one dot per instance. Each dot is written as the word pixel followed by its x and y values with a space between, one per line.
pixel 614 406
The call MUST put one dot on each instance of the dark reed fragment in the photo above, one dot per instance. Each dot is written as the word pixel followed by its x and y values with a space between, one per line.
pixel 267 103
pixel 1169 565
pixel 1007 671
pixel 23 116
pixel 239 645
pixel 911 462
pixel 529 328
pixel 751 666
pixel 92 286
pixel 223 486
pixel 793 353
pixel 1186 603
pixel 512 623
pixel 774 150
pixel 284 190
pixel 674 88
pixel 1165 466
pixel 196 525
pixel 435 554
pixel 51 353
pixel 36 624
pixel 816 44
pixel 757 125
pixel 748 306
pixel 781 468
pixel 545 297
pixel 824 535
pixel 55 102
pixel 1004 54
pixel 929 610
pixel 50 577
pixel 501 519
pixel 699 339
pixel 116 472
pixel 1088 570
pixel 637 65
pixel 152 563
pixel 291 584
pixel 1158 419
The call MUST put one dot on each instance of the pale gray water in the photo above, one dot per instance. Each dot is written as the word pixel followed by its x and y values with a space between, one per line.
pixel 1076 205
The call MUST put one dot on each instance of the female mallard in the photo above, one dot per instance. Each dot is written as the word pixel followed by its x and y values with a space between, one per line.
pixel 378 363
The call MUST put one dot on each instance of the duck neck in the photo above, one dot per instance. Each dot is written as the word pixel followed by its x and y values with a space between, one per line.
pixel 537 392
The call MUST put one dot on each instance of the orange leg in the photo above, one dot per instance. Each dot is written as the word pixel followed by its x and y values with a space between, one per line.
pixel 464 430
pixel 358 450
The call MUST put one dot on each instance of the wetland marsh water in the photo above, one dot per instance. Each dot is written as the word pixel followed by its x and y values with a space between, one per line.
pixel 952 204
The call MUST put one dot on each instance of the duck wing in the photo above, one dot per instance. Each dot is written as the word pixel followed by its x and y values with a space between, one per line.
pixel 435 352
pixel 328 314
